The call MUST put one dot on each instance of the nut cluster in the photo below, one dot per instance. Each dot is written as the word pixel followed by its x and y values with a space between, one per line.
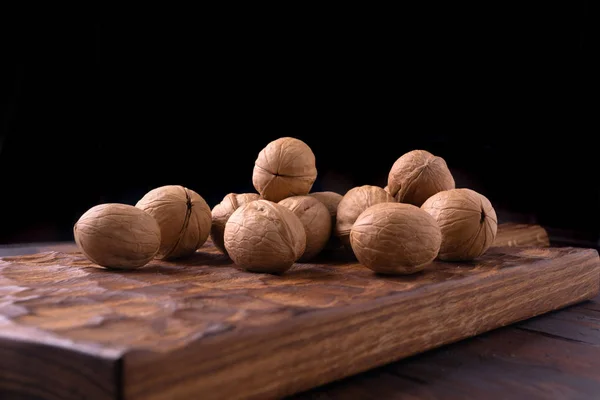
pixel 167 223
pixel 418 217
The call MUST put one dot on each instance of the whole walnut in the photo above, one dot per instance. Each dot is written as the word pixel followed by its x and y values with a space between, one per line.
pixel 263 236
pixel 395 238
pixel 418 175
pixel 221 213
pixel 354 202
pixel 467 221
pixel 331 201
pixel 285 167
pixel 316 221
pixel 183 216
pixel 117 236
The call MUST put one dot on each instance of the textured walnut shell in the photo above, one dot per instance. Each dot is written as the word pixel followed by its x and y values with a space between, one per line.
pixel 467 220
pixel 395 238
pixel 221 213
pixel 285 167
pixel 183 216
pixel 418 175
pixel 263 236
pixel 117 236
pixel 331 201
pixel 354 202
pixel 316 220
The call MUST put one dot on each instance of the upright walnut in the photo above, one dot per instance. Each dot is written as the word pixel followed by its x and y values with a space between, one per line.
pixel 221 213
pixel 354 202
pixel 183 216
pixel 395 238
pixel 118 236
pixel 263 236
pixel 316 220
pixel 467 220
pixel 285 167
pixel 331 201
pixel 418 175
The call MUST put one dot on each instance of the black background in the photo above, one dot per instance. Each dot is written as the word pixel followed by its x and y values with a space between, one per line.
pixel 102 110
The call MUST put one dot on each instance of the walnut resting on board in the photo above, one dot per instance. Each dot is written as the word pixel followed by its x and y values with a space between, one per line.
pixel 117 236
pixel 418 175
pixel 316 221
pixel 354 202
pixel 263 236
pixel 285 167
pixel 331 201
pixel 221 213
pixel 183 216
pixel 467 221
pixel 395 238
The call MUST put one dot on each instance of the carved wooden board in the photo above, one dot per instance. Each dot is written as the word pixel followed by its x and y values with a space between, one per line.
pixel 204 329
pixel 520 235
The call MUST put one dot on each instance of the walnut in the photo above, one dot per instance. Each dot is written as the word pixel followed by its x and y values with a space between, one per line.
pixel 331 201
pixel 285 167
pixel 354 202
pixel 467 221
pixel 117 236
pixel 221 213
pixel 418 175
pixel 395 238
pixel 183 216
pixel 316 220
pixel 263 236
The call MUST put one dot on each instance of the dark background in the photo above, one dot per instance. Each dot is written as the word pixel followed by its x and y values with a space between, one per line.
pixel 103 111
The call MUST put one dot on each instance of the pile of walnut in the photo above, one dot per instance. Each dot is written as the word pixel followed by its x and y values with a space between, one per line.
pixel 418 217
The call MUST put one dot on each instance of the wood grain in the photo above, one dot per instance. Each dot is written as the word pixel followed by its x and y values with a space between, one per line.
pixel 508 363
pixel 521 235
pixel 33 366
pixel 553 356
pixel 204 328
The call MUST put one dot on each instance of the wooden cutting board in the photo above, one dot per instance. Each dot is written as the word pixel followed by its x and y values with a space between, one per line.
pixel 202 329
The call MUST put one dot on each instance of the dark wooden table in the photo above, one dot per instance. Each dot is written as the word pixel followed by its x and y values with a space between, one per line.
pixel 554 356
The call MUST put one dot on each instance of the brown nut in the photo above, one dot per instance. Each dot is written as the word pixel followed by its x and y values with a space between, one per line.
pixel 395 238
pixel 221 213
pixel 354 202
pixel 418 175
pixel 331 201
pixel 316 221
pixel 467 221
pixel 117 236
pixel 263 236
pixel 183 216
pixel 285 167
